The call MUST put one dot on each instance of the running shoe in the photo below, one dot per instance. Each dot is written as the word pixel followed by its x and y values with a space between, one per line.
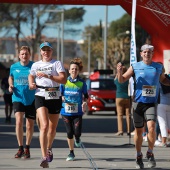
pixel 139 162
pixel 151 160
pixel 19 154
pixel 78 144
pixel 26 153
pixel 157 143
pixel 70 157
pixel 44 163
pixel 49 155
pixel 133 133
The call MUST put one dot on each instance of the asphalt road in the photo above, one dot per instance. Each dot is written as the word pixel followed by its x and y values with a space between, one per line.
pixel 102 150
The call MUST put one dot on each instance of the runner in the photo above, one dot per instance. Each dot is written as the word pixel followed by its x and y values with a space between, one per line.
pixel 45 76
pixel 23 100
pixel 147 75
pixel 73 106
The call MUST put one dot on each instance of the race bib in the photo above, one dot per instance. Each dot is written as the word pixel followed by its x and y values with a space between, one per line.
pixel 71 107
pixel 51 93
pixel 149 91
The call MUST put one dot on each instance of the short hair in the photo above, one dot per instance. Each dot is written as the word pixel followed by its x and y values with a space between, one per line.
pixel 78 62
pixel 25 48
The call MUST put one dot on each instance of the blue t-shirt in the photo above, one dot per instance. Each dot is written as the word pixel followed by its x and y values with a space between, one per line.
pixel 146 81
pixel 73 91
pixel 21 92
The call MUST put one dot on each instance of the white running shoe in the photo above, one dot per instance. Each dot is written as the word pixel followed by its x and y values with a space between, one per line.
pixel 157 143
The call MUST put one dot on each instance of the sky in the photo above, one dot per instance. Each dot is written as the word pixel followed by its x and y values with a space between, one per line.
pixel 92 17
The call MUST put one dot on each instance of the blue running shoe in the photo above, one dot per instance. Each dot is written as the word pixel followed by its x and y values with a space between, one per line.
pixel 70 157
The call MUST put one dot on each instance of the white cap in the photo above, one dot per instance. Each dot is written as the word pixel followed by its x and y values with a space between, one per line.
pixel 147 46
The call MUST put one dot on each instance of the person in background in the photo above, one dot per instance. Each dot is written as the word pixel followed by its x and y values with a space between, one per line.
pixel 74 95
pixel 7 97
pixel 163 111
pixel 23 100
pixel 122 104
pixel 45 76
pixel 147 76
pixel 158 134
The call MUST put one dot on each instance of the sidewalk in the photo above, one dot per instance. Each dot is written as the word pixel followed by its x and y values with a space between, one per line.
pixel 106 151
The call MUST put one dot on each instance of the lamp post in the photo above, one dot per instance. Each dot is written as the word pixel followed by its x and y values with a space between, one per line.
pixel 105 36
pixel 58 38
pixel 89 52
pixel 62 30
pixel 58 43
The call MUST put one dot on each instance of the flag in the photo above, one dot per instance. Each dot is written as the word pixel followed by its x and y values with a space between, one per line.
pixel 133 58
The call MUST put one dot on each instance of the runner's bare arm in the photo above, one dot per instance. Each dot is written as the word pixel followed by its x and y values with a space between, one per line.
pixel 31 81
pixel 126 76
pixel 61 78
pixel 10 81
pixel 164 80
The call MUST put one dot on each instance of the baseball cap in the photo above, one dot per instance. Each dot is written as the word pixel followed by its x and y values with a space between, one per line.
pixel 147 46
pixel 45 44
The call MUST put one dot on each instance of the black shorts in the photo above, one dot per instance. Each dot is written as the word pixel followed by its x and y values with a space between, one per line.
pixel 54 106
pixel 29 110
pixel 143 112
pixel 8 99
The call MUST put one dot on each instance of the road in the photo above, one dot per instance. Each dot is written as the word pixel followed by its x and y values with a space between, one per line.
pixel 102 149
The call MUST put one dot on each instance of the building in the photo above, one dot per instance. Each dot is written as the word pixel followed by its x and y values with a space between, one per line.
pixel 8 52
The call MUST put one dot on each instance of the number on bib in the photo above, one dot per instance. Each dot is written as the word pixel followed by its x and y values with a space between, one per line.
pixel 71 107
pixel 149 91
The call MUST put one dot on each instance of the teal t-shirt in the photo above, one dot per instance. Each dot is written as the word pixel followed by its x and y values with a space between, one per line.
pixel 21 92
pixel 121 89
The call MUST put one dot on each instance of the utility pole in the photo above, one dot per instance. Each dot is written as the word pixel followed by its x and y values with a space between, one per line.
pixel 62 30
pixel 105 37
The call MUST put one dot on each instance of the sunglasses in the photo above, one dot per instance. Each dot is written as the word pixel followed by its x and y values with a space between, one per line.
pixel 46 49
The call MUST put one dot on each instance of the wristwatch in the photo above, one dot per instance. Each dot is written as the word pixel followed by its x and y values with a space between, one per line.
pixel 49 76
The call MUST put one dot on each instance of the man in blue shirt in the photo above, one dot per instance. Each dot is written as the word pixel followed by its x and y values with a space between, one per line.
pixel 23 100
pixel 147 75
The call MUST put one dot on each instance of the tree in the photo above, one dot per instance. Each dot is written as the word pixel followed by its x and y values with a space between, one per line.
pixel 118 42
pixel 13 16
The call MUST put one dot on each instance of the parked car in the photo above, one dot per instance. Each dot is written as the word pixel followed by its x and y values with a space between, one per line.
pixel 102 92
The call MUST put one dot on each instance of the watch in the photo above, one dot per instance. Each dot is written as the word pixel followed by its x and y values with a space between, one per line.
pixel 49 76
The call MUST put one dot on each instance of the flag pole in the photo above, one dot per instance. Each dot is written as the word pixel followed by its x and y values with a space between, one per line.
pixel 133 59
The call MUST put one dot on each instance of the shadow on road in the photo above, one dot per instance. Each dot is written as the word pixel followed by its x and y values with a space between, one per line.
pixel 96 125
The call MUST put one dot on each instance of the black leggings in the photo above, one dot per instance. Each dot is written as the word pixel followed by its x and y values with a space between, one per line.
pixel 73 126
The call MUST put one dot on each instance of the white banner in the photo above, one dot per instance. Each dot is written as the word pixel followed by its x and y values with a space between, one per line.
pixel 133 58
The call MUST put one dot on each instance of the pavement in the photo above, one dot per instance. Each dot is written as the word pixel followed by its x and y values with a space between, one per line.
pixel 102 150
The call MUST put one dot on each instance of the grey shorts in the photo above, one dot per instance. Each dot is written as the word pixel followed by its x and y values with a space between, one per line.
pixel 143 112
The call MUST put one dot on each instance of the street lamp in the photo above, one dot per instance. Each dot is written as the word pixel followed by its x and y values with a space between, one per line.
pixel 105 36
pixel 58 38
pixel 62 30
pixel 58 42
pixel 89 51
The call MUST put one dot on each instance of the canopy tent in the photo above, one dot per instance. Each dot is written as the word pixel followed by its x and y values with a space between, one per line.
pixel 152 15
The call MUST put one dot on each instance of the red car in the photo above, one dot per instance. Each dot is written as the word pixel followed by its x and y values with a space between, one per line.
pixel 102 93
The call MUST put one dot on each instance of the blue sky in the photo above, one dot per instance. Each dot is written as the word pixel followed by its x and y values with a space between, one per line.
pixel 92 17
